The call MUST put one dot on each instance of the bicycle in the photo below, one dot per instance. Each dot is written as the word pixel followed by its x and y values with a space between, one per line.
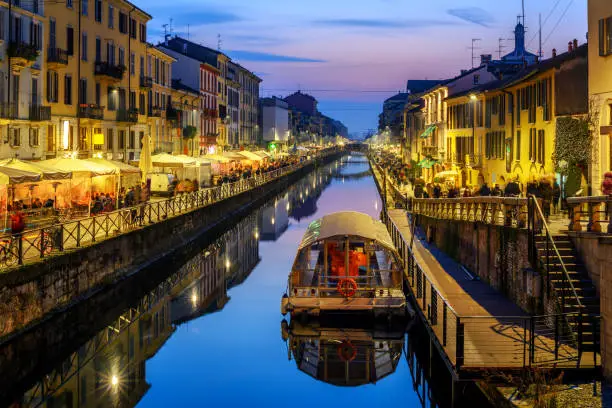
pixel 8 251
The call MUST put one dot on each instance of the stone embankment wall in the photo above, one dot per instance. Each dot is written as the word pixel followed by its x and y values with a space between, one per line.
pixel 596 252
pixel 29 293
pixel 496 254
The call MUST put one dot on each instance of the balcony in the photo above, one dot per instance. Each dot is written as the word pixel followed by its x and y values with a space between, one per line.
pixel 473 160
pixel 112 73
pixel 91 112
pixel 146 82
pixel 155 112
pixel 39 113
pixel 430 151
pixel 172 114
pixel 8 110
pixel 23 55
pixel 210 113
pixel 127 116
pixel 57 58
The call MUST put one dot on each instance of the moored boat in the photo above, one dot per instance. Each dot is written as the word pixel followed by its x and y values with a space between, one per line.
pixel 346 262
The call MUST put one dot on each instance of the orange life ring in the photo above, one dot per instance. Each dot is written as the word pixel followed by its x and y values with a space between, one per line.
pixel 347 287
pixel 346 351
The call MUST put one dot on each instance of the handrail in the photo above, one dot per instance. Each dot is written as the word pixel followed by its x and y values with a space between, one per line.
pixel 552 241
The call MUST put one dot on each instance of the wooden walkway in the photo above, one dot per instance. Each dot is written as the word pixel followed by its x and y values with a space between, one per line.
pixel 476 326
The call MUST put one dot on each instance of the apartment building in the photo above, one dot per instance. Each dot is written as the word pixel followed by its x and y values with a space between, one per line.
pixel 232 82
pixel 209 77
pixel 249 105
pixel 23 118
pixel 185 118
pixel 91 80
pixel 600 88
pixel 155 97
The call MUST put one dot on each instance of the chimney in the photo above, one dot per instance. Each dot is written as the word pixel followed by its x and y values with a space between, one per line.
pixel 569 46
pixel 554 53
pixel 575 44
pixel 485 59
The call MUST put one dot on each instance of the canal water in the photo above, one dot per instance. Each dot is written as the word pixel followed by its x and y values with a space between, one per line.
pixel 207 330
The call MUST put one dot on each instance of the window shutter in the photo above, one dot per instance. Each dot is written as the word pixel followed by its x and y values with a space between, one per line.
pixel 602 37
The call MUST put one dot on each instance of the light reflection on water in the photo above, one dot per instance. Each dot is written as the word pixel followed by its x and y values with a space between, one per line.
pixel 209 333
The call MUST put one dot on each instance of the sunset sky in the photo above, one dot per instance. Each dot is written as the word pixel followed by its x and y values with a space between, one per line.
pixel 344 52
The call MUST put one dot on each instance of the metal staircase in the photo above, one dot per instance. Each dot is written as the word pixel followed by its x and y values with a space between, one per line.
pixel 566 279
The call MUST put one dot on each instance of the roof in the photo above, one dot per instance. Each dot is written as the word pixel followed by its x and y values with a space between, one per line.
pixel 400 97
pixel 421 85
pixel 179 86
pixel 347 223
pixel 300 93
pixel 135 7
pixel 192 50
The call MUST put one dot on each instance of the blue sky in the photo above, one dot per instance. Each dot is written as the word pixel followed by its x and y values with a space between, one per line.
pixel 336 49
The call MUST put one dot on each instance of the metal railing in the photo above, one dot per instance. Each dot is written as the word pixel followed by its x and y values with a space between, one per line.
pixel 40 113
pixel 505 342
pixel 590 214
pixel 109 70
pixel 91 111
pixel 40 243
pixel 146 82
pixel 57 56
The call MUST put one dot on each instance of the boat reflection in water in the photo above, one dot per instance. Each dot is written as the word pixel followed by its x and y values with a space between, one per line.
pixel 343 356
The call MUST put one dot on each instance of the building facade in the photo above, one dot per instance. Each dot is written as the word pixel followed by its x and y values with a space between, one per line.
pixel 156 89
pixel 232 83
pixel 600 89
pixel 209 77
pixel 275 120
pixel 249 105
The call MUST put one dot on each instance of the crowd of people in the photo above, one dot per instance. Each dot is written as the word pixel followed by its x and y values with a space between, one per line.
pixel 128 197
pixel 244 172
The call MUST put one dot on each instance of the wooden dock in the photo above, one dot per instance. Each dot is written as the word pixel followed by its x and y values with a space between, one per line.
pixel 476 326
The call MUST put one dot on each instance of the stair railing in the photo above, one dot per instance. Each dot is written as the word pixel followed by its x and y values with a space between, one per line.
pixel 537 225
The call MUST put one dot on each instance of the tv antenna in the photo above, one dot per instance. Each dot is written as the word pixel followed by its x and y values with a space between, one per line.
pixel 501 46
pixel 540 52
pixel 474 48
pixel 219 42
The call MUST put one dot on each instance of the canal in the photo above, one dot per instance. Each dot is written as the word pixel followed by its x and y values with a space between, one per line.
pixel 204 328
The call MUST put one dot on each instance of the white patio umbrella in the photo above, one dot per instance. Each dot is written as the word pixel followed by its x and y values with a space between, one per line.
pixel 145 164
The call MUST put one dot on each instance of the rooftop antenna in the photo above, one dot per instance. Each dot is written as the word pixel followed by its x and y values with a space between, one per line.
pixel 473 47
pixel 171 29
pixel 219 42
pixel 501 46
pixel 523 8
pixel 187 32
pixel 540 53
pixel 165 31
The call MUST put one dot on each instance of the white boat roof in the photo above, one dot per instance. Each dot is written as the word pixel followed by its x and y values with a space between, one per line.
pixel 349 223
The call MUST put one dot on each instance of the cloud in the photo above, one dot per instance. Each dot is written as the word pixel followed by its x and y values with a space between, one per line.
pixel 382 23
pixel 474 15
pixel 267 57
pixel 257 40
pixel 201 17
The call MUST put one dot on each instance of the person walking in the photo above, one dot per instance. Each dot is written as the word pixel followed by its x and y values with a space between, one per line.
pixel 556 196
pixel 546 193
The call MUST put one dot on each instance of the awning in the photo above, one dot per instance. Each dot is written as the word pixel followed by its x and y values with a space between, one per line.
pixel 14 176
pixel 201 161
pixel 47 173
pixel 120 167
pixel 428 131
pixel 263 154
pixel 347 223
pixel 79 166
pixel 217 158
pixel 168 160
pixel 234 156
pixel 447 174
pixel 427 163
pixel 250 155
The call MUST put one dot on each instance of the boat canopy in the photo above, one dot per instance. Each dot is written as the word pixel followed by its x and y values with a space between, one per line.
pixel 349 223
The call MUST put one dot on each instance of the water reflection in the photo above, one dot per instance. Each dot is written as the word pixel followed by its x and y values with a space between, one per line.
pixel 343 356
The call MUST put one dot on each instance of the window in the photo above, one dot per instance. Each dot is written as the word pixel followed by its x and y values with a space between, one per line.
pixel 133 64
pixel 82 142
pixel 132 141
pixel 69 3
pixel 518 145
pixel 121 143
pixel 110 139
pixel 84 7
pixel 111 99
pixel 541 147
pixel 132 100
pixel 50 138
pixel 605 36
pixel 34 88
pixel 84 46
pixel 67 90
pixel 610 117
pixel 70 40
pixel 35 35
pixel 121 56
pixel 83 91
pixel 15 90
pixel 15 137
pixel 123 23
pixel 142 72
pixel 143 33
pixel 476 79
pixel 52 86
pixel 141 104
pixel 532 144
pixel 52 33
pixel 98 96
pixel 111 16
pixel 98 49
pixel 17 33
pixel 98 10
pixel 34 139
pixel 133 26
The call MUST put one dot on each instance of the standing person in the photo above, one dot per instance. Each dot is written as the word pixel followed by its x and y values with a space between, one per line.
pixel 556 196
pixel 497 191
pixel 485 191
pixel 546 193
pixel 17 222
pixel 437 191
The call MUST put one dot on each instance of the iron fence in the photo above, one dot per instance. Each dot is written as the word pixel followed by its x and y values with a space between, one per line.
pixel 40 243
